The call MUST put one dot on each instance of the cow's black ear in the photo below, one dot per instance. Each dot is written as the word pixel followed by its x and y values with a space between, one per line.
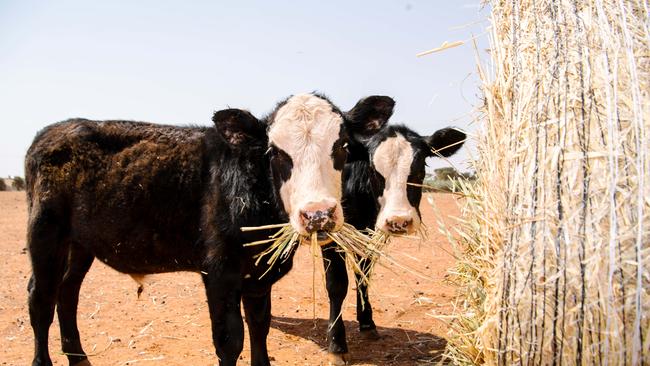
pixel 369 115
pixel 357 151
pixel 238 127
pixel 446 142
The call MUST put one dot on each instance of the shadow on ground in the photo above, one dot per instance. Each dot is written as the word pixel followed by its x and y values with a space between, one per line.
pixel 397 346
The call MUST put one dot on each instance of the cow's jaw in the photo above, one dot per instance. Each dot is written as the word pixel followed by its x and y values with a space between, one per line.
pixel 393 159
pixel 306 129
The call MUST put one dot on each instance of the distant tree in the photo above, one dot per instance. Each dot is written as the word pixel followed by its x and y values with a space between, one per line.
pixel 448 179
pixel 451 173
pixel 18 183
pixel 3 185
pixel 446 173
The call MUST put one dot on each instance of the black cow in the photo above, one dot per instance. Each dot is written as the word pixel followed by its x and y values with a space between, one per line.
pixel 147 198
pixel 377 195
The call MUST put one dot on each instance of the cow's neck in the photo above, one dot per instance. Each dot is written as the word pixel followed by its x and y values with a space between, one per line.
pixel 245 190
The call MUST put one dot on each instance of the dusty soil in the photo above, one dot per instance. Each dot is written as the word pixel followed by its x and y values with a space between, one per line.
pixel 169 323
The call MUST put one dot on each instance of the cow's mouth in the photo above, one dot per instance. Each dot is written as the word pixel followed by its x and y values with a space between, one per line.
pixel 321 236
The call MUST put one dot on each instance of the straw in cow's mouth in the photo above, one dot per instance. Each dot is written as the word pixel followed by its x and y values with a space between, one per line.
pixel 354 243
pixel 367 246
pixel 376 250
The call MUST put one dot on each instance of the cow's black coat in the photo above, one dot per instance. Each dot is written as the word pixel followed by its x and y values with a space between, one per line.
pixel 147 198
pixel 363 185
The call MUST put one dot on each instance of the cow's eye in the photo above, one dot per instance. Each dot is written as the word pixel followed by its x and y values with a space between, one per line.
pixel 281 164
pixel 340 155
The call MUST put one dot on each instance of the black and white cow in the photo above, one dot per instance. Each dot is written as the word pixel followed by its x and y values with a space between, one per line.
pixel 377 194
pixel 147 198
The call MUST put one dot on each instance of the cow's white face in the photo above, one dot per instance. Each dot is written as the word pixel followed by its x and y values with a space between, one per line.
pixel 398 157
pixel 393 160
pixel 308 150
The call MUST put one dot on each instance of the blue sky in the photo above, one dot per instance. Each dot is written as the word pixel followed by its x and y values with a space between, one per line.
pixel 176 62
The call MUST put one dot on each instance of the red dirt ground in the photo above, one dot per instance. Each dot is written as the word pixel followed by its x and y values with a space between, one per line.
pixel 169 324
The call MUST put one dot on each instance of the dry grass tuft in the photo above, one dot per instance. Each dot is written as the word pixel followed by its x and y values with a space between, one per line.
pixel 362 249
pixel 377 251
pixel 282 245
pixel 355 244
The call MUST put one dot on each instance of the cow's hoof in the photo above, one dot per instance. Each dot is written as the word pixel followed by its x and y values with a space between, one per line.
pixel 370 334
pixel 83 363
pixel 337 359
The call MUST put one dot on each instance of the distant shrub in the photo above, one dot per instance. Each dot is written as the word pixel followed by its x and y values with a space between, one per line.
pixel 3 185
pixel 439 185
pixel 451 173
pixel 446 173
pixel 18 184
pixel 447 180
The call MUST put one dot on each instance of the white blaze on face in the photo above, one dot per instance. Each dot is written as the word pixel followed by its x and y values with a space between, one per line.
pixel 392 159
pixel 306 128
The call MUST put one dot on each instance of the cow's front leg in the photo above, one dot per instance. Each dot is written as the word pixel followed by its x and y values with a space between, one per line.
pixel 223 290
pixel 367 327
pixel 336 280
pixel 258 318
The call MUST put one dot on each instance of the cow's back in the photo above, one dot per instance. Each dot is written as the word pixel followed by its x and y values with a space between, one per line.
pixel 123 189
pixel 80 152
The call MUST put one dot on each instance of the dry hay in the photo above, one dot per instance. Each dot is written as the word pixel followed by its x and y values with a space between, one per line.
pixel 378 254
pixel 362 249
pixel 555 268
pixel 355 244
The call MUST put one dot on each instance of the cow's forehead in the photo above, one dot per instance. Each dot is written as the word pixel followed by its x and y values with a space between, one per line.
pixel 393 155
pixel 305 120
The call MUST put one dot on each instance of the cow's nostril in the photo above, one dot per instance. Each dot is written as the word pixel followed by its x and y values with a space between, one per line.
pixel 330 212
pixel 398 225
pixel 329 225
pixel 318 220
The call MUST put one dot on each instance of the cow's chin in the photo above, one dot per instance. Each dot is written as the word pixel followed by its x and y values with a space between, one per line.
pixel 321 236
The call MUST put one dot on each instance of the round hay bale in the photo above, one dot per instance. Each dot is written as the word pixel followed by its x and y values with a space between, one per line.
pixel 556 264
